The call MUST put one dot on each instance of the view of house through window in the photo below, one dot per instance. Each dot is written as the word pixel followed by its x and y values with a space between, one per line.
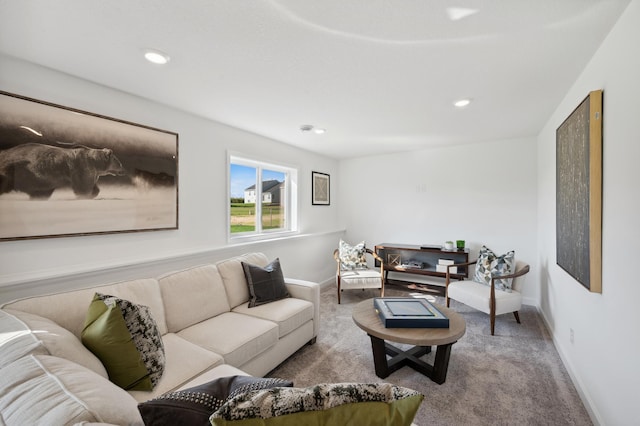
pixel 259 190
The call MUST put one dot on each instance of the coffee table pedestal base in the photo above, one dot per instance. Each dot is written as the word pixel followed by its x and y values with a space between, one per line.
pixel 410 358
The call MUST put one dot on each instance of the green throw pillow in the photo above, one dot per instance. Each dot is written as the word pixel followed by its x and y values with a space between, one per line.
pixel 371 404
pixel 126 339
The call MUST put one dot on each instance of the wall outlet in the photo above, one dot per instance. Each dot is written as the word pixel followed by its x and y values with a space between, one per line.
pixel 571 335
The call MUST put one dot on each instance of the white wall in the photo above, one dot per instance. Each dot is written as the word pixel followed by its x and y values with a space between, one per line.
pixel 203 146
pixel 604 356
pixel 482 193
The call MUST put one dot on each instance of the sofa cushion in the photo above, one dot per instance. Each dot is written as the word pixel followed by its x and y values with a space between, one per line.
pixel 69 309
pixel 328 404
pixel 233 276
pixel 195 405
pixel 17 340
pixel 185 362
pixel 265 284
pixel 238 338
pixel 60 342
pixel 47 390
pixel 289 313
pixel 192 296
pixel 126 339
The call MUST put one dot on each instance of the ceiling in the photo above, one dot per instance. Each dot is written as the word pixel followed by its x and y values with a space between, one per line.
pixel 380 76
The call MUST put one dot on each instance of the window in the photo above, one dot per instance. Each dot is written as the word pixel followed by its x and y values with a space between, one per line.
pixel 262 198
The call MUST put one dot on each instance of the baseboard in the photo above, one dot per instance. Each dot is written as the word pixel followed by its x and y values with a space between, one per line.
pixel 584 395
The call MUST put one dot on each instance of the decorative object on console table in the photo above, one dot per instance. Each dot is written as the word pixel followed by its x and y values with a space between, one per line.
pixel 409 312
pixel 320 189
pixel 442 266
pixel 124 175
pixel 460 244
pixel 426 256
pixel 448 245
pixel 579 193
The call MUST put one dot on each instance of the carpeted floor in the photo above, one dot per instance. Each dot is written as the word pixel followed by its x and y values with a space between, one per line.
pixel 513 378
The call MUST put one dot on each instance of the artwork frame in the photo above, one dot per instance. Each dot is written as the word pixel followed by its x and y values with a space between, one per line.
pixel 102 175
pixel 320 189
pixel 579 193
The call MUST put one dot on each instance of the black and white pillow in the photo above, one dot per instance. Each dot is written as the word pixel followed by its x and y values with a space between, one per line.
pixel 195 405
pixel 489 264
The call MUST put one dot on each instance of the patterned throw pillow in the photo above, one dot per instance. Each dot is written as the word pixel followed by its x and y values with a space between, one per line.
pixel 352 257
pixel 489 264
pixel 324 404
pixel 125 337
pixel 193 406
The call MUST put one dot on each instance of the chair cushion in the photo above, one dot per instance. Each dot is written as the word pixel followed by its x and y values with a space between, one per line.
pixel 324 404
pixel 360 278
pixel 352 257
pixel 266 284
pixel 489 264
pixel 126 339
pixel 477 296
pixel 288 313
pixel 193 406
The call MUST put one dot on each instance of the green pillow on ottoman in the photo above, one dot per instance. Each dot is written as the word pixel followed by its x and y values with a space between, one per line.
pixel 371 404
pixel 125 337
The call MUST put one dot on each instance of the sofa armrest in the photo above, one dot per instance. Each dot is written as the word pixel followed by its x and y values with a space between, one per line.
pixel 306 290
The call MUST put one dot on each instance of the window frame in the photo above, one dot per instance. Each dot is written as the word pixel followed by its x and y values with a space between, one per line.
pixel 290 198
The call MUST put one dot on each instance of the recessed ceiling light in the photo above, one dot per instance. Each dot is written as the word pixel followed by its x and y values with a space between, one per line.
pixel 462 103
pixel 156 56
pixel 319 131
pixel 306 127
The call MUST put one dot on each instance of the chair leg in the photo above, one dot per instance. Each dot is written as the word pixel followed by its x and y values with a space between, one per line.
pixel 515 314
pixel 338 290
pixel 493 323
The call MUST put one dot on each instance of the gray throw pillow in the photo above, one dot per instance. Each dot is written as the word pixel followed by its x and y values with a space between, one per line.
pixel 265 284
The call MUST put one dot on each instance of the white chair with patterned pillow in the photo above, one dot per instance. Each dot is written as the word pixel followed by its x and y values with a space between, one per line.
pixel 495 288
pixel 353 272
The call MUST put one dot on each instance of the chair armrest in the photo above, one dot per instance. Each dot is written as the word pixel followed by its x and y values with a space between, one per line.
pixel 514 275
pixel 448 278
pixel 375 255
pixel 306 290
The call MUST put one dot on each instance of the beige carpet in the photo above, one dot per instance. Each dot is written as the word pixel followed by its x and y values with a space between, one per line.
pixel 513 378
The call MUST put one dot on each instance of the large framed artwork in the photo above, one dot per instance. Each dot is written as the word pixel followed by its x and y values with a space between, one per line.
pixel 320 189
pixel 579 193
pixel 66 172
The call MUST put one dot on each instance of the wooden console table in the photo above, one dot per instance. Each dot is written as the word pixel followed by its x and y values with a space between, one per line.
pixel 414 259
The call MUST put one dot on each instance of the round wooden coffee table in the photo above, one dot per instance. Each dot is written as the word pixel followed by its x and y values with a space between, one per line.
pixel 365 317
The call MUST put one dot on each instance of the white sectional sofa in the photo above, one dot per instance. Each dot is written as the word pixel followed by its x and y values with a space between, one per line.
pixel 208 331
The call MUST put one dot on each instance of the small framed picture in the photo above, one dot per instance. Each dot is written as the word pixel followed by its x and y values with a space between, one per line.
pixel 320 189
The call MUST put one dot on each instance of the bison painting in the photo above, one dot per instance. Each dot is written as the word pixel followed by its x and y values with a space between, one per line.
pixel 38 169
